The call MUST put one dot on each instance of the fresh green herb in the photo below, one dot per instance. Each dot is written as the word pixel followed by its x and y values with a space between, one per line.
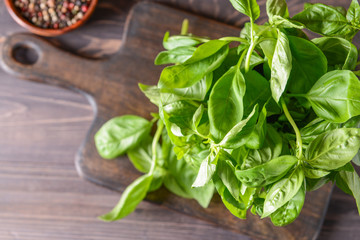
pixel 262 120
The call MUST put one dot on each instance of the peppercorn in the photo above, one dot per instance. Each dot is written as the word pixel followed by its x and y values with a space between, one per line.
pixel 52 14
pixel 84 8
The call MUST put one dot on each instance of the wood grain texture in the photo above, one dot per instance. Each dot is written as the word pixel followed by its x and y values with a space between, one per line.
pixel 112 84
pixel 41 196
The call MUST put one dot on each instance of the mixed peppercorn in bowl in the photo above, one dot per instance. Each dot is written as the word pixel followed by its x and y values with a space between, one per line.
pixel 50 17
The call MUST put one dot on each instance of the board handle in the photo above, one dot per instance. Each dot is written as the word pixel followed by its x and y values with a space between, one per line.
pixel 30 57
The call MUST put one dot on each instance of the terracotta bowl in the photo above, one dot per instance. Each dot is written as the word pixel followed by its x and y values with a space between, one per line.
pixel 16 15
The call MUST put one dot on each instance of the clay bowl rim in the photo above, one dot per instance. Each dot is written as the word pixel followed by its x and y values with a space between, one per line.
pixel 16 15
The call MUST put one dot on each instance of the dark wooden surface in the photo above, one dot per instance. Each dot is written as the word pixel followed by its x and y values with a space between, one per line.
pixel 42 126
pixel 112 84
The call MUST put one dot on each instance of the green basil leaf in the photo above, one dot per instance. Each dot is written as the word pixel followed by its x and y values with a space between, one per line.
pixel 247 7
pixel 336 96
pixel 130 198
pixel 247 195
pixel 257 92
pixel 282 191
pixel 333 149
pixel 176 140
pixel 176 55
pixel 349 182
pixel 313 184
pixel 353 13
pixel 173 42
pixel 316 127
pixel 325 20
pixel 277 8
pixel 196 155
pixel 166 145
pixel 321 18
pixel 281 66
pixel 257 136
pixel 356 159
pixel 268 47
pixel 281 22
pixel 169 156
pixel 141 157
pixel 205 59
pixel 308 65
pixel 226 172
pixel 349 32
pixel 200 122
pixel 206 171
pixel 342 182
pixel 172 181
pixel 263 30
pixel 226 103
pixel 181 176
pixel 290 210
pixel 258 206
pixel 339 52
pixel 167 97
pixel 340 9
pixel 198 115
pixel 120 134
pixel 239 154
pixel 181 151
pixel 353 122
pixel 173 186
pixel 151 92
pixel 241 132
pixel 196 92
pixel 266 70
pixel 314 173
pixel 158 179
pixel 295 32
pixel 266 173
pixel 238 207
pixel 181 114
pixel 229 180
pixel 232 57
pixel 241 48
pixel 347 167
pixel 272 148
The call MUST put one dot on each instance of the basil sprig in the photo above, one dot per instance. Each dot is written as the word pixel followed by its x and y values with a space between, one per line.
pixel 261 119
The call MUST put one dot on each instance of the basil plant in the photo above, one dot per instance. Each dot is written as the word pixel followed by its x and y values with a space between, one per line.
pixel 260 119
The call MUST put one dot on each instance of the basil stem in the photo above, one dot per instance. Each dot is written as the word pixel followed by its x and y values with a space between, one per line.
pixel 153 146
pixel 296 129
pixel 185 27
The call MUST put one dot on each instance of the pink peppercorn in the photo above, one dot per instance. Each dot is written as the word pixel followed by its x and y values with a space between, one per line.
pixel 71 6
pixel 84 8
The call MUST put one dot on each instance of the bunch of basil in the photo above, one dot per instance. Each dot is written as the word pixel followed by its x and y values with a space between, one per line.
pixel 261 123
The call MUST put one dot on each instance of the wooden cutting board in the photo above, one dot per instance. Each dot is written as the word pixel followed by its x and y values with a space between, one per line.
pixel 111 87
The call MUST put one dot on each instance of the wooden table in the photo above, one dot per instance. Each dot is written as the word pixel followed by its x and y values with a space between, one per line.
pixel 41 195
